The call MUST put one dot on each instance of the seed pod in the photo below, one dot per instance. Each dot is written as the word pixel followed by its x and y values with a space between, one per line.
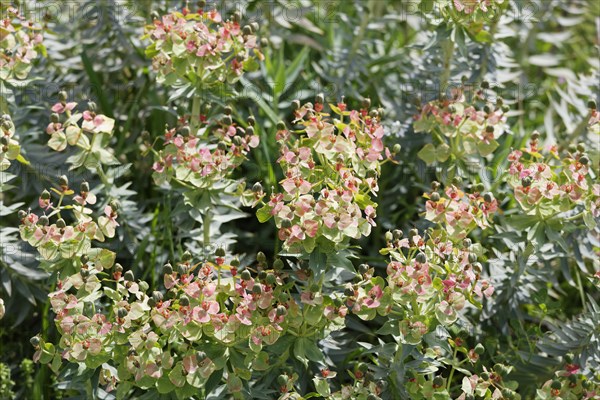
pixel 278 264
pixel 167 269
pixel 236 17
pixel 581 147
pixel 526 182
pixel 435 196
pixel 535 135
pixel 22 214
pixel 154 15
pixel 63 181
pixel 184 301
pixel 235 262
pixel 257 289
pixel 262 275
pixel 374 114
pixel 43 220
pixel 4 140
pixel 413 232
pixel 271 279
pixel 282 380
pixel 296 104
pixel 62 96
pixel 129 276
pixel 200 355
pixel 472 257
pixel 157 296
pixel 54 118
pixel 396 149
pixel 251 121
pixel 60 223
pixel 187 256
pixel 245 275
pixel 255 27
pixel 91 106
pixel 237 140
pixel 479 349
pixel 398 234
pixel 257 187
pixel 264 42
pixel 499 102
pixel 487 109
pixel 45 195
pixel 286 223
pixel 485 85
pixel 250 130
pixel 489 129
pixel 438 381
pixel 281 126
pixel 366 103
pixel 226 120
pixel 260 257
pixel 122 312
pixel 592 104
pixel 220 252
pixel 349 291
pixel 363 269
pixel 485 376
pixel 247 30
pixel 84 187
pixel 183 269
pixel 320 98
pixel 281 310
pixel 488 197
pixel 421 258
pixel 185 131
pixel 35 341
pixel 389 236
pixel 118 267
pixel 556 384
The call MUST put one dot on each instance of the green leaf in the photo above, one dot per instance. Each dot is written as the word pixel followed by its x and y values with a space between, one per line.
pixel 47 355
pixel 263 214
pixel 427 154
pixel 176 375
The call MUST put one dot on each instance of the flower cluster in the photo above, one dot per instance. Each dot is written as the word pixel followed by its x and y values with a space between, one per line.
pixel 54 238
pixel 9 146
pixel 473 6
pixel 86 130
pixel 459 213
pixel 331 168
pixel 569 384
pixel 20 42
pixel 549 185
pixel 207 157
pixel 201 48
pixel 461 128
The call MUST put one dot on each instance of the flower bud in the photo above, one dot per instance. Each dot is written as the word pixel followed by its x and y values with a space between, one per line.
pixel 84 187
pixel 485 376
pixel 421 258
pixel 54 118
pixel 366 103
pixel 237 140
pixel 278 264
pixel 286 223
pixel 556 384
pixel 129 276
pixel 247 30
pixel 314 288
pixel 477 267
pixel 337 302
pixel 255 27
pixel 349 291
pixel 167 269
pixel 508 394
pixel 296 104
pixel 374 114
pixel 63 181
pixel 45 195
pixel 245 275
pixel 396 149
pixel 505 109
pixel 487 109
pixel 485 85
pixel 499 102
pixel 262 275
pixel 592 104
pixel 479 188
pixel 22 214
pixel 281 126
pixel 251 121
pixel 122 312
pixel 373 397
pixel 60 223
pixel 584 160
pixel 84 273
pixel 435 196
pixel 457 180
pixel 183 269
pixel 62 96
pixel 250 130
pixel 398 234
pixel 227 110
pixel 184 301
pixel 535 135
pixel 435 185
pixel 581 147
pixel 43 221
pixel 200 355
pixel 92 106
pixel 235 262
pixel 4 140
pixel 362 367
pixel 185 131
pixel 143 285
pixel 438 381
pixel 320 98
pixel 489 129
pixel 569 357
pixel 488 197
pixel 271 279
pixel 257 187
pixel 413 232
pixel 154 15
pixel 264 42
pixel 260 257
pixel 236 17
pixel 526 182
pixel 472 257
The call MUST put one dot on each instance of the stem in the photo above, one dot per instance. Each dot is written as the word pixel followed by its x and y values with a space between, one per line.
pixel 206 227
pixel 580 287
pixel 448 49
pixel 448 385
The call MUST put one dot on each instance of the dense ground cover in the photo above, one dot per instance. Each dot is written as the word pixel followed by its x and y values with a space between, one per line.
pixel 306 199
